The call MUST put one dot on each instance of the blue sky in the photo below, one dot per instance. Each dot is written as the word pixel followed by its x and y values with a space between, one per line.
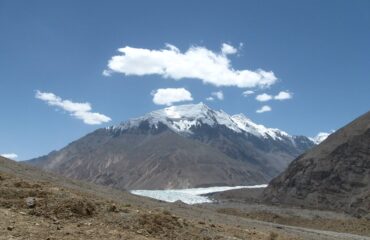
pixel 318 51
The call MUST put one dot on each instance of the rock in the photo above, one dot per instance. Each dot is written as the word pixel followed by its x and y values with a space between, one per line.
pixel 179 202
pixel 140 231
pixel 113 208
pixel 31 202
pixel 10 228
pixel 334 175
pixel 181 221
pixel 125 210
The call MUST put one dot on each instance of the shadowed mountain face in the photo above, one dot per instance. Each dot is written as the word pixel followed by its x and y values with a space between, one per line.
pixel 178 147
pixel 333 175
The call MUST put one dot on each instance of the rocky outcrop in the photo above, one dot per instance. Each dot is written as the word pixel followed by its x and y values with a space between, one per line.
pixel 333 175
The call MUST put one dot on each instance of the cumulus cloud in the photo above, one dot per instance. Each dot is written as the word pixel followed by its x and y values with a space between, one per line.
pixel 78 110
pixel 263 109
pixel 107 73
pixel 247 93
pixel 9 155
pixel 219 95
pixel 228 49
pixel 283 95
pixel 197 62
pixel 216 95
pixel 168 96
pixel 264 97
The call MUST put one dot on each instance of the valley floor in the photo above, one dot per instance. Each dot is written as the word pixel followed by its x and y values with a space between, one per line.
pixel 38 205
pixel 245 203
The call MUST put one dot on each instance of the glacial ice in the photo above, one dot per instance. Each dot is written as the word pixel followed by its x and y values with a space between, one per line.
pixel 189 195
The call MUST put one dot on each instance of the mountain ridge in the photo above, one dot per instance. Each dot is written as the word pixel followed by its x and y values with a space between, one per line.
pixel 181 118
pixel 178 147
pixel 333 175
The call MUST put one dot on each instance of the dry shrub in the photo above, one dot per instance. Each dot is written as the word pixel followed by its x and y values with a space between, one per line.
pixel 74 207
pixel 273 236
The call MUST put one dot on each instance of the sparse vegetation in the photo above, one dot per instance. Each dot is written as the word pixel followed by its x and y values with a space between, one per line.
pixel 273 236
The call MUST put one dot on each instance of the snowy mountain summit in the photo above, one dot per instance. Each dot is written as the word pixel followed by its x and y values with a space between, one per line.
pixel 185 118
pixel 174 147
pixel 320 137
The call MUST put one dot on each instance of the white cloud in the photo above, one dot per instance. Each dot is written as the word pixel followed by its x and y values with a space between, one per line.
pixel 168 96
pixel 264 97
pixel 107 73
pixel 228 49
pixel 219 95
pixel 283 95
pixel 197 62
pixel 216 95
pixel 9 155
pixel 78 110
pixel 247 93
pixel 264 109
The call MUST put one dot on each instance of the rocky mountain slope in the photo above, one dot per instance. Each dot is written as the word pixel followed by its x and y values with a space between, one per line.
pixel 178 147
pixel 333 175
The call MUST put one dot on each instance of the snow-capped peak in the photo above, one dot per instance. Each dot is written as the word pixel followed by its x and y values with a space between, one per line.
pixel 248 126
pixel 320 137
pixel 188 111
pixel 182 118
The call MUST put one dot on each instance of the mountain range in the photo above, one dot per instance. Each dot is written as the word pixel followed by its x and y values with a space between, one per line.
pixel 178 147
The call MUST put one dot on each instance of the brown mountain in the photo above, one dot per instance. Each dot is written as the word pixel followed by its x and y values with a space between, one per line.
pixel 178 147
pixel 333 175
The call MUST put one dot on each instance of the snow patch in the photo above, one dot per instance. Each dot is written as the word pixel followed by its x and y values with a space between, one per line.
pixel 188 196
pixel 258 130
pixel 321 136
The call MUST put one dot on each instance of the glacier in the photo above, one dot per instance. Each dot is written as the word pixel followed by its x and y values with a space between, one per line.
pixel 189 195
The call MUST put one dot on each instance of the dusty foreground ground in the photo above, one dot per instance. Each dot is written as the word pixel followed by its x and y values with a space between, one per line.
pixel 245 203
pixel 38 205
